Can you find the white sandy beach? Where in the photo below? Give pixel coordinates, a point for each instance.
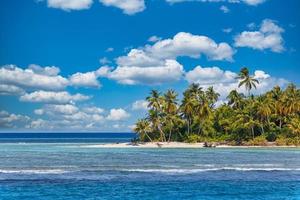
(170, 145)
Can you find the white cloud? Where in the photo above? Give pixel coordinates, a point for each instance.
(224, 81)
(117, 115)
(93, 110)
(11, 120)
(53, 97)
(267, 37)
(227, 30)
(67, 109)
(156, 64)
(39, 111)
(68, 116)
(210, 75)
(33, 77)
(129, 7)
(154, 38)
(182, 44)
(48, 71)
(104, 61)
(224, 9)
(169, 72)
(89, 79)
(248, 2)
(253, 2)
(109, 49)
(140, 105)
(40, 124)
(10, 90)
(68, 5)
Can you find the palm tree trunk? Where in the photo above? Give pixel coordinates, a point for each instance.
(170, 132)
(262, 129)
(188, 125)
(148, 137)
(252, 129)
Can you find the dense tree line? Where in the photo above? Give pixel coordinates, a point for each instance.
(245, 119)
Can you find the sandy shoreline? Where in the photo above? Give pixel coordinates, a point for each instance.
(171, 145)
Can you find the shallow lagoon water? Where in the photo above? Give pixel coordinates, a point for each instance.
(73, 171)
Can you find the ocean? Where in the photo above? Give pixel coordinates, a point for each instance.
(64, 166)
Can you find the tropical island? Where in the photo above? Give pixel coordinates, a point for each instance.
(270, 118)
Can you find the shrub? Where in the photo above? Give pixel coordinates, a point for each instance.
(258, 141)
(271, 137)
(193, 138)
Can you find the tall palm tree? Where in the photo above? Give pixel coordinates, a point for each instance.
(187, 108)
(157, 123)
(263, 111)
(143, 128)
(247, 80)
(203, 112)
(154, 100)
(170, 103)
(212, 96)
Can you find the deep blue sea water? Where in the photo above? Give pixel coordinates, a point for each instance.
(42, 166)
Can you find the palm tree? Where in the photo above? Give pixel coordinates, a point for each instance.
(170, 101)
(143, 128)
(263, 111)
(203, 112)
(211, 96)
(235, 99)
(188, 108)
(155, 100)
(157, 123)
(294, 126)
(247, 80)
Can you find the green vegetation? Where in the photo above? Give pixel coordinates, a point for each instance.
(251, 120)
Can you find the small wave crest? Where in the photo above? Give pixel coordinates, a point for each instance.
(188, 171)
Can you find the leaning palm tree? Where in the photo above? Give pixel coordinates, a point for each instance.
(157, 123)
(247, 80)
(143, 128)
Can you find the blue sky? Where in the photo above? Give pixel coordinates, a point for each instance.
(87, 65)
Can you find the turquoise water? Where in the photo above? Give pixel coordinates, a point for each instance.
(76, 171)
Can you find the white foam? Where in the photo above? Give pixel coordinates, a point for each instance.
(188, 171)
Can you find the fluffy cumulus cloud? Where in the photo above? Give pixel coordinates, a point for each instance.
(17, 81)
(117, 114)
(209, 75)
(225, 81)
(170, 71)
(67, 116)
(68, 5)
(34, 77)
(156, 63)
(269, 36)
(11, 120)
(89, 79)
(10, 90)
(140, 105)
(129, 7)
(182, 44)
(53, 97)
